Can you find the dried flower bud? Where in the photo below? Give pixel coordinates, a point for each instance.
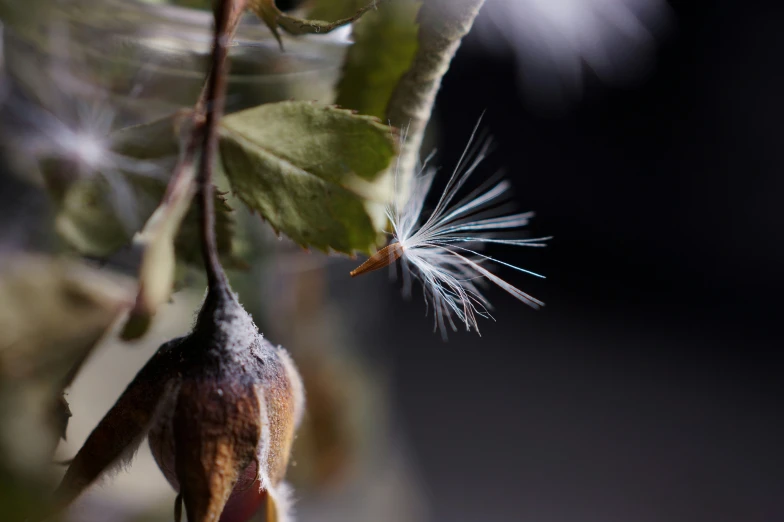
(225, 431)
(221, 406)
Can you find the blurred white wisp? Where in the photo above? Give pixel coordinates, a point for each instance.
(57, 120)
(439, 250)
(555, 41)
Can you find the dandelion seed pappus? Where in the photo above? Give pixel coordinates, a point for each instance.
(440, 249)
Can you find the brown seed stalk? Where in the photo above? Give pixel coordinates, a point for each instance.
(220, 405)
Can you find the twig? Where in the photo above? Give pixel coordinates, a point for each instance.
(206, 115)
(198, 114)
(235, 17)
(227, 15)
(442, 25)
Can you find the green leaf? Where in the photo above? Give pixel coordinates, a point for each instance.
(319, 174)
(385, 42)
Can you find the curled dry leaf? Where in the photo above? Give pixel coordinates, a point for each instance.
(385, 42)
(220, 405)
(274, 18)
(156, 274)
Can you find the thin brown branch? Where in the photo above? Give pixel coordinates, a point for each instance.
(227, 16)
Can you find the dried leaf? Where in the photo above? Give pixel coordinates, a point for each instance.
(316, 173)
(274, 17)
(385, 42)
(156, 275)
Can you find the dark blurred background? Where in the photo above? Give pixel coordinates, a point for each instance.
(649, 388)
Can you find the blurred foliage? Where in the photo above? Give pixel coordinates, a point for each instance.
(319, 174)
(52, 312)
(141, 161)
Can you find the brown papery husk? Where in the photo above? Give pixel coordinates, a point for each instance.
(224, 433)
(220, 406)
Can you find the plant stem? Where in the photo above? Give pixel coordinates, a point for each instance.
(442, 26)
(227, 15)
(203, 132)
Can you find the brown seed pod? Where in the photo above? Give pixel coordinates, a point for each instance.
(221, 406)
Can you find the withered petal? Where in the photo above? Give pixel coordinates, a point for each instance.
(121, 430)
(216, 433)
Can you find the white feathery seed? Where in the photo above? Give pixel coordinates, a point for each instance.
(441, 249)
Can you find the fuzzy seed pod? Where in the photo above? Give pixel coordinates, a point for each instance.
(221, 406)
